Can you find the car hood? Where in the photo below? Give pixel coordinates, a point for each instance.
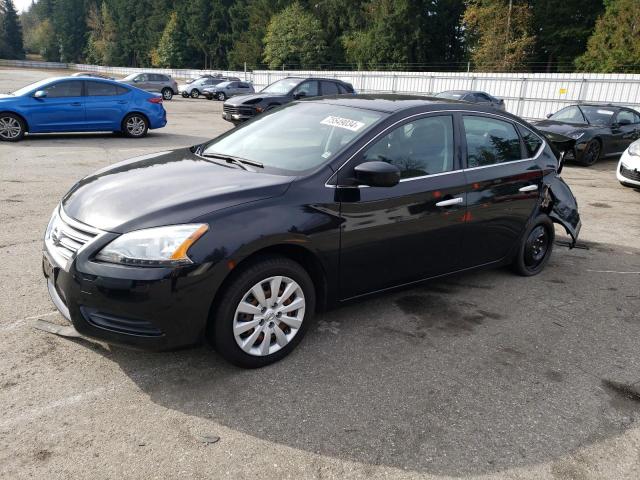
(164, 188)
(561, 128)
(240, 99)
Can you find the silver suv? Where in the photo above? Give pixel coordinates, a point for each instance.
(197, 87)
(153, 82)
(224, 90)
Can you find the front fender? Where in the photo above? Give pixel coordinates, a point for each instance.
(561, 205)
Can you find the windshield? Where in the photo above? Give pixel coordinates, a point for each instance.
(282, 86)
(31, 87)
(451, 95)
(569, 115)
(299, 137)
(598, 115)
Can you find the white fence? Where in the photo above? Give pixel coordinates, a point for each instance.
(529, 95)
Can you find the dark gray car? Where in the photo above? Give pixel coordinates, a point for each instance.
(153, 82)
(482, 98)
(225, 90)
(243, 107)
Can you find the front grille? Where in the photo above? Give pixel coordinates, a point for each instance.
(65, 237)
(630, 174)
(238, 110)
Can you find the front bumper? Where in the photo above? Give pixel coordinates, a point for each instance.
(147, 308)
(628, 171)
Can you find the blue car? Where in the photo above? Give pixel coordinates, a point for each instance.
(77, 104)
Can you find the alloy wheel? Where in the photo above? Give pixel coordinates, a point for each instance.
(167, 94)
(592, 153)
(135, 125)
(536, 247)
(269, 315)
(10, 128)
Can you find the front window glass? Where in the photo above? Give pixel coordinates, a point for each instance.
(490, 141)
(282, 86)
(299, 137)
(598, 115)
(569, 115)
(419, 148)
(65, 89)
(309, 89)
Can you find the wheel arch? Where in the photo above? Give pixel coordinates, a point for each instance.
(299, 254)
(137, 112)
(26, 123)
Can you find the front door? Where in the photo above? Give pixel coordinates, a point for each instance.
(397, 235)
(503, 186)
(625, 130)
(62, 109)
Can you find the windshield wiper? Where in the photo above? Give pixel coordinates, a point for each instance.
(241, 162)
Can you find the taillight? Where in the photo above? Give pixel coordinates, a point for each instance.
(155, 99)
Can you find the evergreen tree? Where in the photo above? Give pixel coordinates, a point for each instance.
(103, 39)
(11, 43)
(615, 43)
(294, 37)
(171, 48)
(69, 21)
(562, 30)
(499, 34)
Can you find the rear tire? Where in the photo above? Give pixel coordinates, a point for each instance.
(222, 97)
(185, 95)
(591, 154)
(12, 127)
(535, 248)
(240, 337)
(167, 94)
(195, 93)
(135, 125)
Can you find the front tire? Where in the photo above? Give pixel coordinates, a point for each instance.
(592, 153)
(135, 125)
(167, 94)
(535, 248)
(222, 97)
(195, 93)
(185, 95)
(263, 313)
(12, 127)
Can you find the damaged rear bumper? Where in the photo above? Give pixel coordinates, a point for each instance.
(561, 205)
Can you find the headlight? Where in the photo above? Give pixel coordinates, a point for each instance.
(154, 247)
(576, 135)
(634, 149)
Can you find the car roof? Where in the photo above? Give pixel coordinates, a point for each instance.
(391, 103)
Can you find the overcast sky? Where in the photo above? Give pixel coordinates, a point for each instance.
(22, 4)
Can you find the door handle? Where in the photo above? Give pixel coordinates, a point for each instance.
(528, 188)
(76, 104)
(450, 202)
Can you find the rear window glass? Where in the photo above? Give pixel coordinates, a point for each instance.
(532, 142)
(101, 89)
(490, 141)
(329, 88)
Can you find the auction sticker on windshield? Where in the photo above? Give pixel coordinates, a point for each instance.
(340, 122)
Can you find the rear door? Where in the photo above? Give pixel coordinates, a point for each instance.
(106, 105)
(503, 184)
(62, 109)
(397, 235)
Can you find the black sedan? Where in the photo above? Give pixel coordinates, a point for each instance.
(243, 107)
(590, 132)
(473, 96)
(243, 238)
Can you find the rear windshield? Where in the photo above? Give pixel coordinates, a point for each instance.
(296, 138)
(451, 95)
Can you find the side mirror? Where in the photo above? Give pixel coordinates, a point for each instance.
(136, 80)
(623, 121)
(299, 95)
(549, 115)
(40, 94)
(377, 174)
